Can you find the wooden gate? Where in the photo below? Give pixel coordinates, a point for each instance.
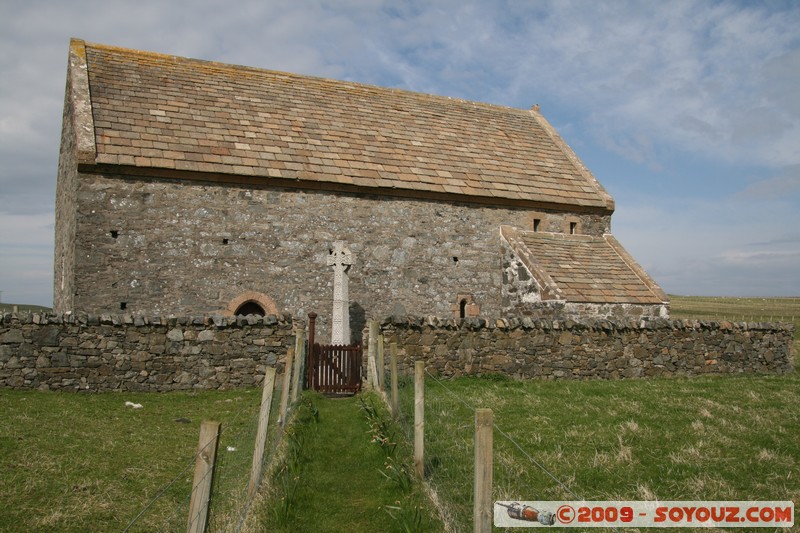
(332, 369)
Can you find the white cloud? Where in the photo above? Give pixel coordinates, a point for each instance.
(716, 79)
(784, 184)
(645, 81)
(756, 258)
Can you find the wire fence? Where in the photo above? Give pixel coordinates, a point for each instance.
(736, 309)
(448, 462)
(518, 466)
(168, 509)
(229, 452)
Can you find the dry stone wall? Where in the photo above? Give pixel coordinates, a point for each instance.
(591, 349)
(108, 353)
(105, 353)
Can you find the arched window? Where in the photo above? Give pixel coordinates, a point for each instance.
(251, 303)
(250, 308)
(462, 308)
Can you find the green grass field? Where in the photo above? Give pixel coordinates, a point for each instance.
(702, 438)
(85, 462)
(346, 469)
(737, 309)
(23, 308)
(720, 438)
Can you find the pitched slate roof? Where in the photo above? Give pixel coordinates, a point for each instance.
(583, 268)
(163, 112)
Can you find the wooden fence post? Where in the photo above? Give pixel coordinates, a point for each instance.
(482, 510)
(261, 436)
(287, 380)
(419, 418)
(372, 347)
(381, 364)
(203, 477)
(299, 356)
(395, 400)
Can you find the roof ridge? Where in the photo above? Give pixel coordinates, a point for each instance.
(239, 67)
(556, 235)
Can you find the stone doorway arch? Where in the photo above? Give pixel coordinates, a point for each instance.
(252, 303)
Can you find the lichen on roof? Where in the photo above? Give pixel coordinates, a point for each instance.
(155, 111)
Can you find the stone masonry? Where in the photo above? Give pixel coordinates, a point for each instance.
(109, 353)
(591, 348)
(106, 353)
(190, 188)
(185, 248)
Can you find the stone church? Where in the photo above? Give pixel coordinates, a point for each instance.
(189, 187)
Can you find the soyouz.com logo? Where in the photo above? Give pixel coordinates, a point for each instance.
(582, 514)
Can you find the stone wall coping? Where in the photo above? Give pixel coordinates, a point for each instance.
(83, 319)
(405, 322)
(591, 324)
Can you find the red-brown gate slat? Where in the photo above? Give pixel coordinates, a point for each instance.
(332, 369)
(335, 369)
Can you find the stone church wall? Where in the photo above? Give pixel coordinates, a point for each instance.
(591, 349)
(185, 248)
(66, 191)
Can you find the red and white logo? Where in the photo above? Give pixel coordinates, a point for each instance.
(585, 514)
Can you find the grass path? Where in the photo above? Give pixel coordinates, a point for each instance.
(341, 487)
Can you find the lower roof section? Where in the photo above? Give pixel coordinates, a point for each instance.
(583, 268)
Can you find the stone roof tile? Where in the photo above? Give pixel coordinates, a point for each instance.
(585, 268)
(249, 117)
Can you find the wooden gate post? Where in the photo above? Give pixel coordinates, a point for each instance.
(419, 418)
(482, 507)
(312, 317)
(203, 477)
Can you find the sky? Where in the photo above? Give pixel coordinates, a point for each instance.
(687, 112)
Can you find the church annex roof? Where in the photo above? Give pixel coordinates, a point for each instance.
(172, 115)
(583, 268)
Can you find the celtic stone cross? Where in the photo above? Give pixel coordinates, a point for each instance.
(340, 259)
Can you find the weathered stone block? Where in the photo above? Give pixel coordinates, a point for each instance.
(12, 336)
(206, 335)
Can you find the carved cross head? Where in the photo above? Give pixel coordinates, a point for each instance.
(340, 255)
